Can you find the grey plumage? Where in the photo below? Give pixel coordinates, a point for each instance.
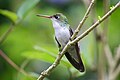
(63, 32)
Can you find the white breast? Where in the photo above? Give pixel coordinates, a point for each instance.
(62, 34)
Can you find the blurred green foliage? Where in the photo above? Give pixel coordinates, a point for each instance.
(12, 16)
(32, 38)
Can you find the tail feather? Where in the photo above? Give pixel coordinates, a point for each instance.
(78, 65)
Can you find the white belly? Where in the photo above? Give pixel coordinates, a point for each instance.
(62, 35)
(61, 32)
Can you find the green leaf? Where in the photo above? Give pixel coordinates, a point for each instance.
(99, 17)
(111, 7)
(63, 61)
(45, 50)
(45, 55)
(38, 55)
(26, 7)
(9, 14)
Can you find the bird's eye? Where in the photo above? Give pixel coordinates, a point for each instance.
(56, 17)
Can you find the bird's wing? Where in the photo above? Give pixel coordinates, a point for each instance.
(74, 57)
(59, 45)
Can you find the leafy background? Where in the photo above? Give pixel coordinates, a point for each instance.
(31, 42)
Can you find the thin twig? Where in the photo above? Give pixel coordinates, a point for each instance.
(112, 62)
(12, 63)
(57, 61)
(4, 36)
(117, 55)
(96, 23)
(108, 55)
(83, 20)
(23, 65)
(115, 73)
(60, 55)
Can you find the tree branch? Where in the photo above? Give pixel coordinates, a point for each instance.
(115, 73)
(12, 63)
(108, 55)
(3, 37)
(60, 55)
(83, 20)
(97, 23)
(117, 55)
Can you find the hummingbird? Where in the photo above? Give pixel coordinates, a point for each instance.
(63, 34)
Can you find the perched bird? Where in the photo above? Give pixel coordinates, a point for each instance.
(63, 32)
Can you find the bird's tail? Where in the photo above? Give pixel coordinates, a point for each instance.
(78, 65)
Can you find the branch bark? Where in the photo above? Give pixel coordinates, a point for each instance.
(117, 56)
(12, 63)
(114, 70)
(97, 23)
(83, 20)
(4, 36)
(108, 54)
(115, 73)
(60, 55)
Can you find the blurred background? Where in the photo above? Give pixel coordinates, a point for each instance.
(29, 40)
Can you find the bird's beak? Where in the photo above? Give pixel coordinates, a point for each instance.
(45, 16)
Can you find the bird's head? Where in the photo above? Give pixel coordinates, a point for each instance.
(57, 18)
